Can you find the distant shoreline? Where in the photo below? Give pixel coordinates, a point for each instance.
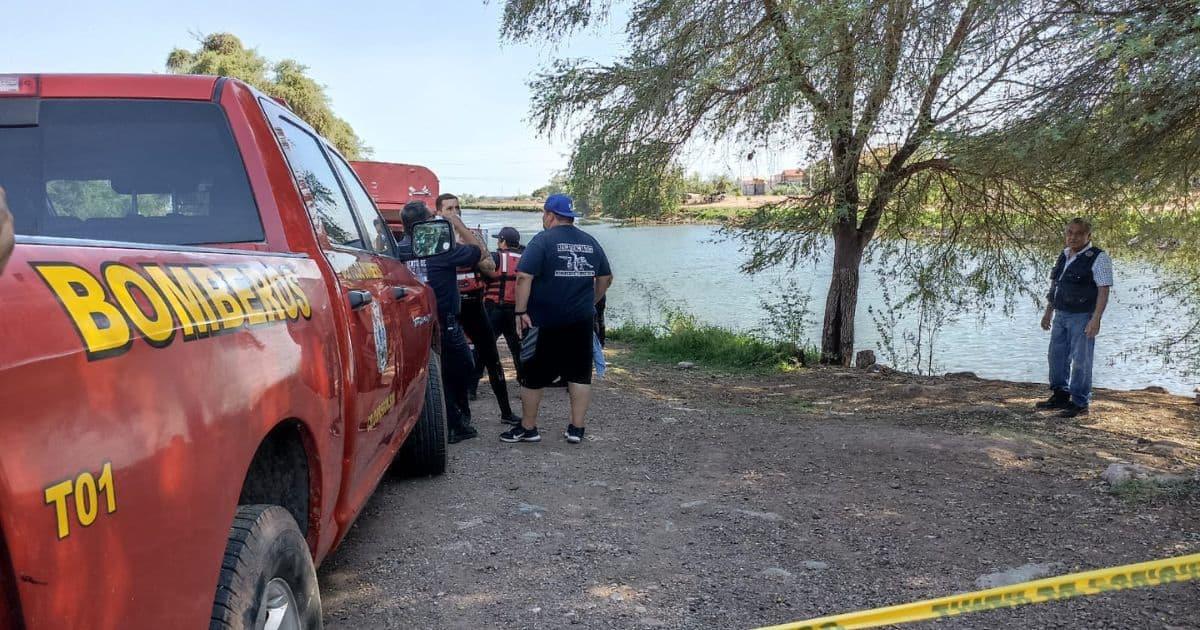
(689, 214)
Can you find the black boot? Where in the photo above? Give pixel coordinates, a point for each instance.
(458, 434)
(1073, 411)
(1058, 400)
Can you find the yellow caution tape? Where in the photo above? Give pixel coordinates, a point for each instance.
(1053, 589)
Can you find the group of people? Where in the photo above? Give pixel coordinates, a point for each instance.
(541, 299)
(547, 301)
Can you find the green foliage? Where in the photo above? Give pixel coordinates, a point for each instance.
(893, 94)
(981, 126)
(667, 332)
(624, 179)
(1143, 491)
(1132, 92)
(96, 199)
(636, 334)
(684, 339)
(792, 190)
(788, 316)
(710, 186)
(558, 185)
(909, 348)
(224, 54)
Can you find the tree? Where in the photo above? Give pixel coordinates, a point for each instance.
(909, 103)
(653, 188)
(224, 54)
(558, 184)
(711, 186)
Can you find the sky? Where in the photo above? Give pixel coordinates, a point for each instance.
(421, 82)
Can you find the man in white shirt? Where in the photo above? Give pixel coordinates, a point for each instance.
(1079, 287)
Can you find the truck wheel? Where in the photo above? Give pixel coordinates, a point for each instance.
(267, 577)
(424, 452)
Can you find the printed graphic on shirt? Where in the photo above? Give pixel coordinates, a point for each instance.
(418, 269)
(575, 265)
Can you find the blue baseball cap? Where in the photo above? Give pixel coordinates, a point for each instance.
(560, 204)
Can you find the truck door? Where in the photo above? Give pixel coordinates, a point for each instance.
(373, 390)
(403, 295)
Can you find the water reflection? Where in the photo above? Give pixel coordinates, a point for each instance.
(688, 265)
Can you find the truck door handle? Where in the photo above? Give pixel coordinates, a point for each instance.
(359, 299)
(399, 292)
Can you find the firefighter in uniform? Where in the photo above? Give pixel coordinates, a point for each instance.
(500, 297)
(475, 323)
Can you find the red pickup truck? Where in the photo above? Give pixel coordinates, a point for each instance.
(209, 357)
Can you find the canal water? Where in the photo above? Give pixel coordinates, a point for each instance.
(690, 267)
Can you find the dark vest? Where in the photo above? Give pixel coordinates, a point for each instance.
(1076, 292)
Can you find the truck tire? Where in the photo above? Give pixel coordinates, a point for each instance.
(267, 575)
(424, 452)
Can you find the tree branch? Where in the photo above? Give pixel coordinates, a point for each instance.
(800, 70)
(893, 44)
(923, 124)
(941, 164)
(745, 89)
(945, 63)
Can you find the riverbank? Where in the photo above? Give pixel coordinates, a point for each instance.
(728, 209)
(720, 499)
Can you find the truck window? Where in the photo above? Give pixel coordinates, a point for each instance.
(320, 188)
(378, 237)
(162, 172)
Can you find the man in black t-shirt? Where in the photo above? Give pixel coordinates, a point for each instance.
(562, 274)
(440, 273)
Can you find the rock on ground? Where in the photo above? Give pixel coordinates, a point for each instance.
(1120, 473)
(864, 359)
(1023, 573)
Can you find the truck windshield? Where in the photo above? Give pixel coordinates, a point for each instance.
(164, 172)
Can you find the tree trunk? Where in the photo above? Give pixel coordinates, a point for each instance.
(837, 337)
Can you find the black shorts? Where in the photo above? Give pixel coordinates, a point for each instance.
(563, 355)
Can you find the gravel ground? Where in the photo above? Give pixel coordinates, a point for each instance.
(705, 500)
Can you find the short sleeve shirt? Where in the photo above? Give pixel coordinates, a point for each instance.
(441, 273)
(564, 262)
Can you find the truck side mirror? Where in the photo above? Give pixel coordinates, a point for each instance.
(432, 237)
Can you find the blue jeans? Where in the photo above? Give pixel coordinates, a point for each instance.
(1071, 354)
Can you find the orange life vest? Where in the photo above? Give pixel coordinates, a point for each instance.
(503, 290)
(469, 280)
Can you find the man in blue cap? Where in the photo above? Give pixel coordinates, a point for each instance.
(562, 274)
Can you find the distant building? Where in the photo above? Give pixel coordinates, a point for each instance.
(793, 176)
(755, 186)
(789, 176)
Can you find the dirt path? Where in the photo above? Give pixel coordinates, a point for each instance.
(711, 501)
